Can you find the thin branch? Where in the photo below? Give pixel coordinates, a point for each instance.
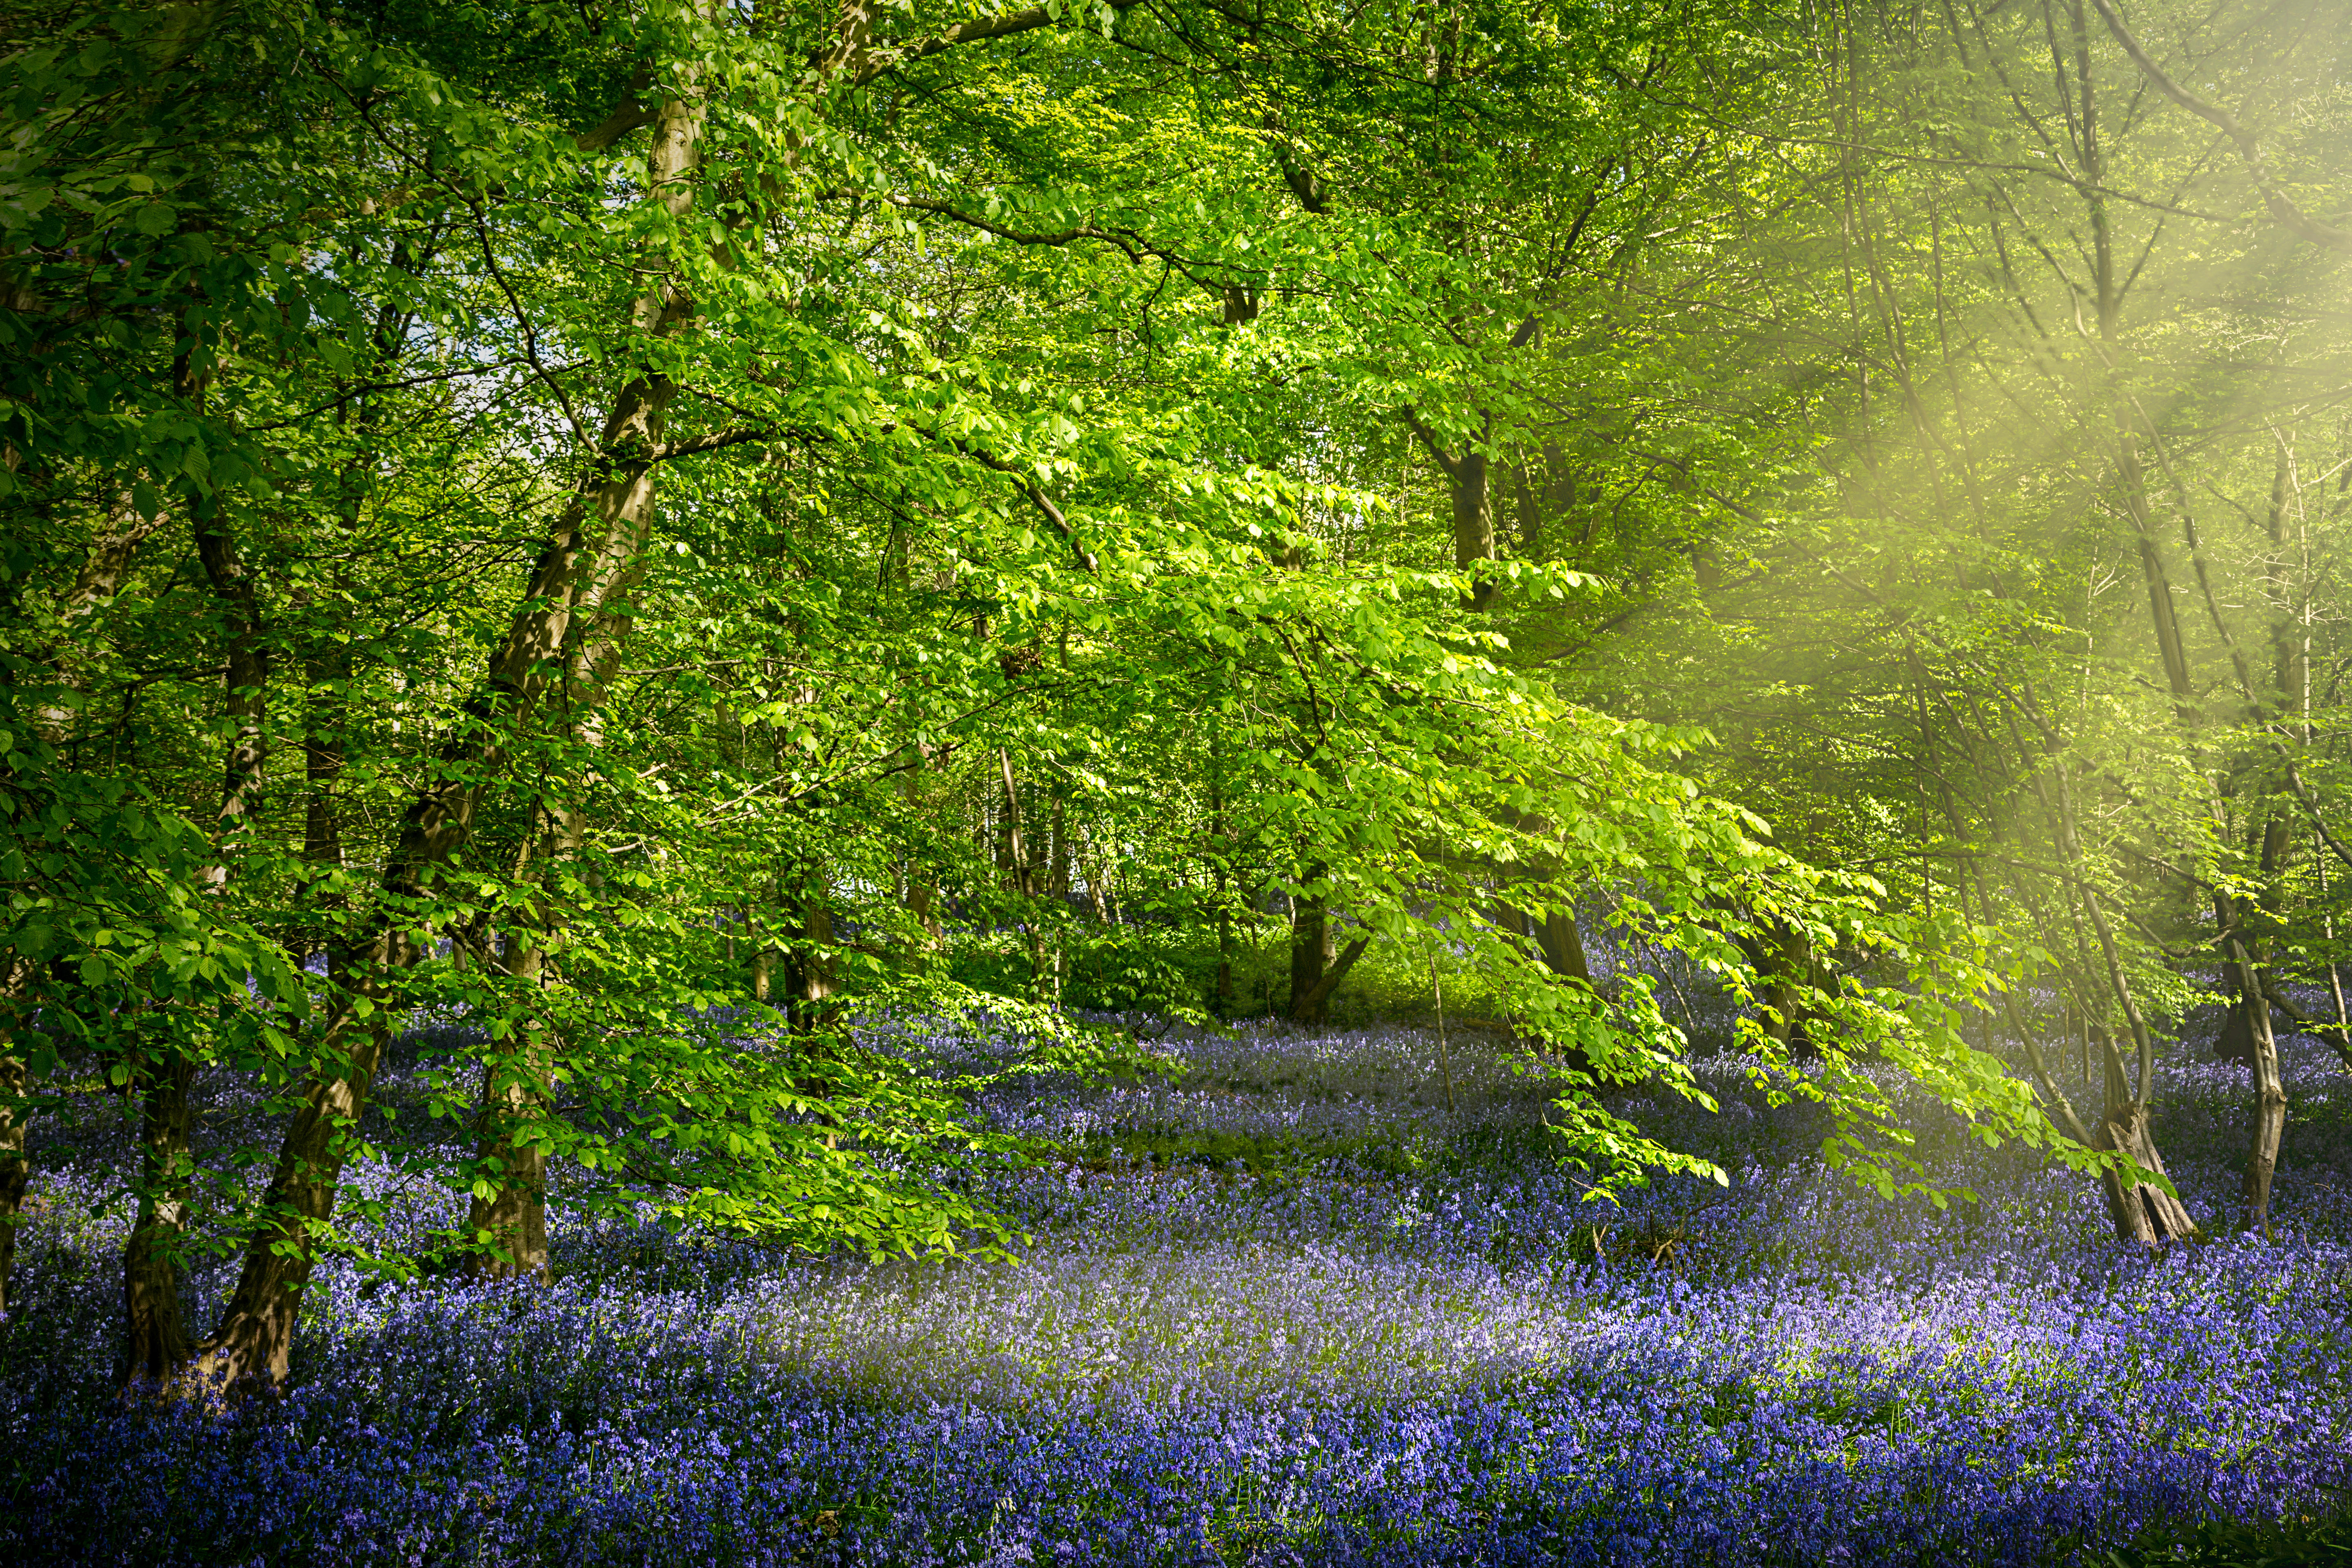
(2281, 208)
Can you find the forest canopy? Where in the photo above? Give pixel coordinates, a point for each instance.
(689, 535)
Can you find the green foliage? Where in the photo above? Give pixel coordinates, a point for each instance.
(674, 514)
(2293, 1543)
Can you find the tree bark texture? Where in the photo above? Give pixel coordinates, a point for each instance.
(1310, 950)
(256, 1334)
(1563, 946)
(2142, 1213)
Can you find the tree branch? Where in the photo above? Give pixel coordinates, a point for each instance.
(891, 57)
(1037, 498)
(1429, 439)
(2281, 208)
(710, 443)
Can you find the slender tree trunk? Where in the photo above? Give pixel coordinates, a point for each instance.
(1227, 1005)
(322, 764)
(1310, 950)
(589, 555)
(14, 1173)
(922, 888)
(2270, 1099)
(812, 957)
(155, 1333)
(507, 1216)
(508, 1211)
(2142, 1212)
(1021, 872)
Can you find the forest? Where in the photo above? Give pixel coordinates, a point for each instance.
(1176, 782)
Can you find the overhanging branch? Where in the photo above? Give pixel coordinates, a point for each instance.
(2281, 206)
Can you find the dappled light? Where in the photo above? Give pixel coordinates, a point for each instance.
(1146, 782)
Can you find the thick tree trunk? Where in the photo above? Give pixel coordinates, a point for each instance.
(1313, 1007)
(1474, 525)
(2145, 1213)
(1563, 946)
(155, 1333)
(1316, 971)
(2236, 1041)
(1785, 969)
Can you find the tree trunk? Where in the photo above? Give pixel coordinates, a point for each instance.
(590, 552)
(2146, 1214)
(809, 961)
(1474, 525)
(1563, 946)
(256, 1335)
(156, 1334)
(2236, 1041)
(1311, 949)
(1784, 964)
(507, 1216)
(1021, 871)
(508, 1211)
(2269, 1098)
(1226, 1005)
(1468, 487)
(1311, 1008)
(1316, 971)
(14, 1173)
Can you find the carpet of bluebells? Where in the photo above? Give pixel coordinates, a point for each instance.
(1286, 1307)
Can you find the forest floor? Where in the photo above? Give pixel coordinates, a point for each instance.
(1284, 1308)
